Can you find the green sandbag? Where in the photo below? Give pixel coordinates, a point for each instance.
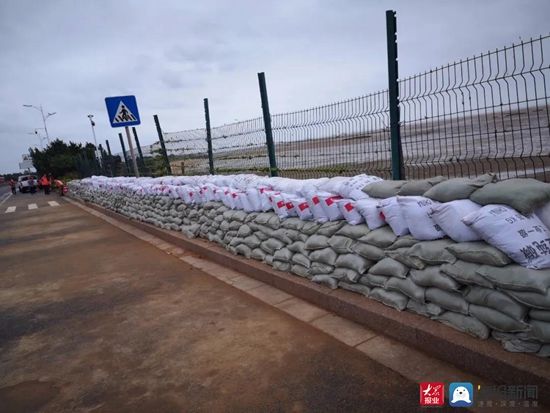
(300, 271)
(425, 309)
(328, 229)
(449, 301)
(316, 242)
(301, 259)
(517, 278)
(381, 237)
(390, 298)
(531, 299)
(418, 187)
(404, 241)
(496, 300)
(408, 287)
(243, 250)
(464, 323)
(326, 256)
(271, 245)
(479, 252)
(383, 189)
(356, 288)
(458, 188)
(320, 268)
(401, 255)
(523, 194)
(539, 315)
(540, 330)
(258, 254)
(298, 246)
(293, 223)
(346, 274)
(340, 243)
(367, 251)
(433, 252)
(326, 280)
(373, 280)
(281, 266)
(353, 262)
(433, 277)
(497, 320)
(465, 273)
(283, 254)
(389, 268)
(353, 231)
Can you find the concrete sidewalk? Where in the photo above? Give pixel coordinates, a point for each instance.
(94, 319)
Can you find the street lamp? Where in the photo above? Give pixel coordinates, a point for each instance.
(39, 108)
(97, 153)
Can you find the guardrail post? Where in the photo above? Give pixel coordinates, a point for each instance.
(393, 86)
(273, 171)
(162, 146)
(209, 137)
(124, 153)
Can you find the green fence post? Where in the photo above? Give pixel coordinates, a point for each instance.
(209, 137)
(273, 171)
(393, 86)
(124, 153)
(162, 146)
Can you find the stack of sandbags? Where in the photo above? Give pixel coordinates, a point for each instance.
(420, 246)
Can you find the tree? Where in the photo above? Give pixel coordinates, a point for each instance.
(62, 159)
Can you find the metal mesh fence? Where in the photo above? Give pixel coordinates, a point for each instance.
(240, 147)
(344, 138)
(486, 113)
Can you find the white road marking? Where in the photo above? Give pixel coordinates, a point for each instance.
(33, 206)
(10, 210)
(53, 203)
(8, 195)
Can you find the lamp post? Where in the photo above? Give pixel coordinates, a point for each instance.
(44, 117)
(97, 153)
(40, 138)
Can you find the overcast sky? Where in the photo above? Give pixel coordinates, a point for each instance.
(69, 55)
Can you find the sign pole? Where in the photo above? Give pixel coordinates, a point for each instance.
(132, 153)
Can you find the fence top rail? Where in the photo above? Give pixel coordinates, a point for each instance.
(481, 56)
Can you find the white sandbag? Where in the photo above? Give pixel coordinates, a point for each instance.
(314, 202)
(391, 211)
(449, 217)
(301, 207)
(525, 239)
(353, 188)
(278, 204)
(350, 212)
(368, 208)
(417, 213)
(334, 185)
(330, 206)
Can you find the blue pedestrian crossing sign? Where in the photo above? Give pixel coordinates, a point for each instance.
(122, 110)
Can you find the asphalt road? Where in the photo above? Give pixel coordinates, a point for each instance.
(94, 319)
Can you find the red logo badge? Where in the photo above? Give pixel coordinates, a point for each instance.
(432, 394)
(303, 206)
(349, 207)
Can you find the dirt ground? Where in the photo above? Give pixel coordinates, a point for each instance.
(95, 320)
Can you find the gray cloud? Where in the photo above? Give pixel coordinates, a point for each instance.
(171, 54)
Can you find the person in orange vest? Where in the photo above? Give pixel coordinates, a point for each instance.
(45, 182)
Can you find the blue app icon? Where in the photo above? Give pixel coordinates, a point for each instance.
(461, 394)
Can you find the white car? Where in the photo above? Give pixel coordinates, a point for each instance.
(23, 182)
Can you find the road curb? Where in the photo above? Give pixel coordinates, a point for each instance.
(485, 358)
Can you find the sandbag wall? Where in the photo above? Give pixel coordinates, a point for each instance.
(469, 285)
